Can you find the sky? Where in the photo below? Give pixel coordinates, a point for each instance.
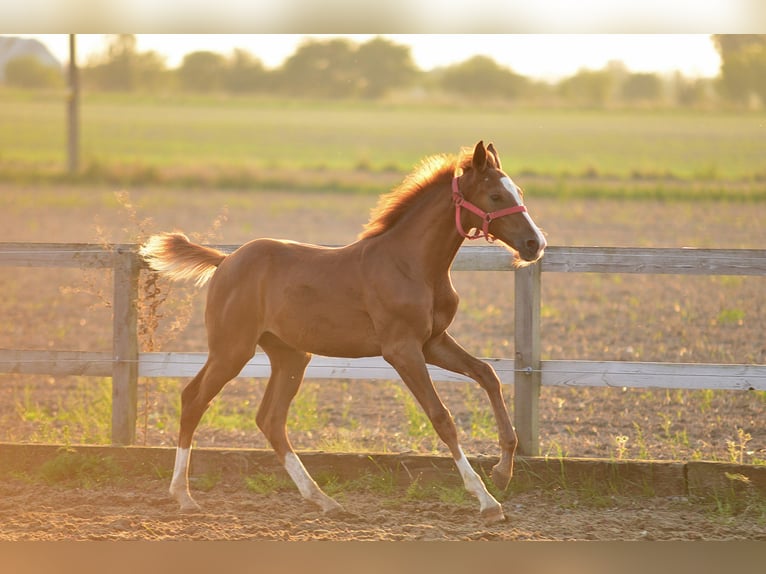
(542, 56)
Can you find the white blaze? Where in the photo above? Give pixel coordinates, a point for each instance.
(514, 191)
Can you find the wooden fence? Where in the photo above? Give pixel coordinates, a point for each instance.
(526, 371)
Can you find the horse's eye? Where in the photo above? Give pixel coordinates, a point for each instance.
(496, 197)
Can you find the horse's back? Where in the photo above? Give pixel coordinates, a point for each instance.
(311, 297)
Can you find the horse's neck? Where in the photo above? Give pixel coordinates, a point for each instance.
(427, 233)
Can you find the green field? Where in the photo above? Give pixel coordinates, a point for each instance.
(257, 142)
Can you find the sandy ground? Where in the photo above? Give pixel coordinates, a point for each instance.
(141, 510)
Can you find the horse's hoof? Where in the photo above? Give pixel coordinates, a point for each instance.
(501, 477)
(189, 507)
(186, 504)
(493, 515)
(332, 508)
(341, 514)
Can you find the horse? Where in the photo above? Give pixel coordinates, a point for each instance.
(388, 294)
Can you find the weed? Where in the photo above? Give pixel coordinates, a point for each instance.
(706, 399)
(498, 493)
(82, 470)
(218, 416)
(738, 498)
(342, 440)
(594, 495)
(207, 481)
(86, 411)
(451, 494)
(163, 310)
(418, 426)
(304, 414)
(381, 482)
(555, 450)
(348, 421)
(32, 412)
(621, 441)
(736, 449)
(643, 450)
(482, 419)
(416, 491)
(730, 317)
(263, 483)
(667, 422)
(549, 312)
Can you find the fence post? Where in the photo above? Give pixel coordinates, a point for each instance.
(527, 286)
(125, 346)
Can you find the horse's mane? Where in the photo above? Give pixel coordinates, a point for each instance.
(391, 206)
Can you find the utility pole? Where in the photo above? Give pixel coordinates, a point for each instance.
(73, 109)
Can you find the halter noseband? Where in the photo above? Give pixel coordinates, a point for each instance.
(462, 202)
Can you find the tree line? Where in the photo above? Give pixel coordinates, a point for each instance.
(341, 69)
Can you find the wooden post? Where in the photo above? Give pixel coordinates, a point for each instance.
(73, 110)
(125, 347)
(527, 374)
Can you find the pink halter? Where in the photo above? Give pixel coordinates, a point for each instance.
(461, 201)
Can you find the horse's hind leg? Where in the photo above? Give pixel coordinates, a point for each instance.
(409, 362)
(445, 352)
(195, 398)
(287, 368)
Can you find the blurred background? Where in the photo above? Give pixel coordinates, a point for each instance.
(358, 111)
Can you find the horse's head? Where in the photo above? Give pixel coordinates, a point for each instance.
(488, 201)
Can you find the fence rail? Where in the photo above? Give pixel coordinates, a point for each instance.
(526, 371)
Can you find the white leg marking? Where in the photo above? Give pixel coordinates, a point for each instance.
(179, 484)
(489, 506)
(306, 485)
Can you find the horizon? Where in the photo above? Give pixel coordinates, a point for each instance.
(547, 57)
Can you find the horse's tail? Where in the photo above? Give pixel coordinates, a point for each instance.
(173, 255)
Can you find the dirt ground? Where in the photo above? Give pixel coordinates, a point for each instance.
(649, 318)
(137, 507)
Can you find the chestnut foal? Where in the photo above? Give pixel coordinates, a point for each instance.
(387, 294)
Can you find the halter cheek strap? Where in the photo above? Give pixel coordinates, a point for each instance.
(462, 203)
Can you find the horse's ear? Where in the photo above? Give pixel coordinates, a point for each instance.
(479, 161)
(491, 149)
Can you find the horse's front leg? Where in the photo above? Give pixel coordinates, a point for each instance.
(409, 362)
(443, 351)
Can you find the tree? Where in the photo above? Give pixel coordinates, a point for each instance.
(383, 66)
(202, 71)
(743, 66)
(588, 87)
(244, 73)
(30, 72)
(123, 68)
(482, 76)
(641, 87)
(321, 68)
(691, 92)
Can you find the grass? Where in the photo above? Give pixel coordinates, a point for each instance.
(304, 414)
(84, 414)
(382, 482)
(419, 428)
(482, 420)
(266, 483)
(252, 142)
(737, 448)
(737, 498)
(73, 469)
